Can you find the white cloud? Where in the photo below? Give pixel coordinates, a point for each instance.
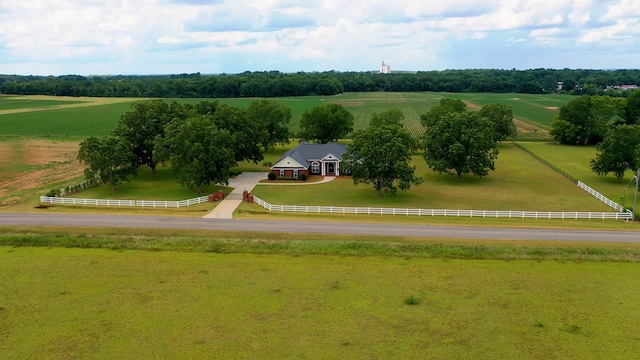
(225, 36)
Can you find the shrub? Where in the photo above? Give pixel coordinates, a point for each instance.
(411, 300)
(267, 163)
(303, 177)
(53, 193)
(271, 176)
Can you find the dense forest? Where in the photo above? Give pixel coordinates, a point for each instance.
(275, 84)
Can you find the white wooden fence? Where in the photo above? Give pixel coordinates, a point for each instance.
(601, 197)
(124, 203)
(444, 212)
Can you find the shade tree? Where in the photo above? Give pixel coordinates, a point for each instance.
(381, 155)
(110, 160)
(271, 119)
(445, 106)
(141, 126)
(618, 152)
(461, 143)
(326, 123)
(200, 153)
(502, 118)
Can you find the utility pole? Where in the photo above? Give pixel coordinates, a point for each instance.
(635, 194)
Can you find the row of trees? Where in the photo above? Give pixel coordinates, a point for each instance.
(202, 141)
(456, 141)
(613, 124)
(588, 119)
(275, 84)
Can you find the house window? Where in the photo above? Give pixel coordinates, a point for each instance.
(315, 168)
(295, 174)
(281, 173)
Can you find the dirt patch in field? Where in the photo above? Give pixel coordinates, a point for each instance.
(348, 103)
(552, 108)
(525, 128)
(36, 164)
(472, 106)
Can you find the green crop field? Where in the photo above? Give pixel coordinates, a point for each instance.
(104, 304)
(538, 110)
(99, 119)
(51, 116)
(12, 103)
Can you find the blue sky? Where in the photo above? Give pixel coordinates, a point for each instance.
(97, 37)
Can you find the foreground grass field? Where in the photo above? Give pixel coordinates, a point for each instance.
(82, 303)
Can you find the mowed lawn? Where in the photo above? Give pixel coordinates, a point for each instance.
(519, 183)
(104, 304)
(576, 161)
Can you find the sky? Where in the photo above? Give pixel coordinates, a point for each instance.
(109, 37)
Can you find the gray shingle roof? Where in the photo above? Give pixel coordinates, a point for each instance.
(305, 152)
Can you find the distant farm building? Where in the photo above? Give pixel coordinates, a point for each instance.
(385, 69)
(625, 87)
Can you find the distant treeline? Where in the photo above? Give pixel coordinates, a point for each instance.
(276, 84)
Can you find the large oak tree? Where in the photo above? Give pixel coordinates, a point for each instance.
(381, 155)
(461, 143)
(200, 152)
(109, 159)
(617, 153)
(326, 123)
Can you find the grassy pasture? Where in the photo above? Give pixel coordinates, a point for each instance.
(81, 117)
(85, 303)
(147, 186)
(576, 161)
(519, 183)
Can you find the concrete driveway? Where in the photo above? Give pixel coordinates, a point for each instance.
(247, 181)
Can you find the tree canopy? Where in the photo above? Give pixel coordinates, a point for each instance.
(326, 123)
(617, 153)
(109, 159)
(502, 118)
(444, 107)
(200, 152)
(381, 155)
(461, 143)
(141, 126)
(393, 116)
(272, 120)
(276, 84)
(586, 119)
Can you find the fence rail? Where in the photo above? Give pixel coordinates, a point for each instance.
(601, 197)
(445, 212)
(545, 162)
(123, 203)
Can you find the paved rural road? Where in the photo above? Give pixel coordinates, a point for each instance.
(315, 227)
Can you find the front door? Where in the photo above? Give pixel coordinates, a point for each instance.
(331, 168)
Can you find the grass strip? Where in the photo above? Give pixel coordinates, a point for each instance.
(299, 244)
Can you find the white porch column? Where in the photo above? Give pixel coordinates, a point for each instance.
(338, 168)
(323, 167)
